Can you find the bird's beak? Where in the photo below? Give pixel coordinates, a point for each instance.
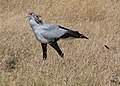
(29, 14)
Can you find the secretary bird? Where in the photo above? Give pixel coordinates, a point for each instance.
(50, 34)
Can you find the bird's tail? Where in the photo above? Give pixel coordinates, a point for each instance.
(71, 33)
(76, 34)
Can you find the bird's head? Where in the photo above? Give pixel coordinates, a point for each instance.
(32, 14)
(34, 18)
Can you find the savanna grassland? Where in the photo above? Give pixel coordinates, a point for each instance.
(89, 62)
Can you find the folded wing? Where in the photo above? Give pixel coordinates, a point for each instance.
(57, 32)
(53, 32)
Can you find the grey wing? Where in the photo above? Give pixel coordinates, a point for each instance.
(53, 33)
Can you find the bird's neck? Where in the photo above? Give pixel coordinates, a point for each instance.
(34, 22)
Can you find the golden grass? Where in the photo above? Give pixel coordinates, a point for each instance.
(89, 63)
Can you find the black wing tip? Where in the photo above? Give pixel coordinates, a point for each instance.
(75, 34)
(86, 38)
(82, 36)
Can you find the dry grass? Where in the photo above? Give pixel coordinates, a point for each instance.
(89, 63)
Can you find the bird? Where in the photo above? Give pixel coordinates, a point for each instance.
(49, 34)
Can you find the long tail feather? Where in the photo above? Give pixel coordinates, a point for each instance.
(71, 33)
(74, 34)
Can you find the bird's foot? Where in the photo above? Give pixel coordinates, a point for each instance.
(43, 63)
(64, 62)
(41, 66)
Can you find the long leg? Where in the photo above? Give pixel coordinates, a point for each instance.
(44, 49)
(56, 47)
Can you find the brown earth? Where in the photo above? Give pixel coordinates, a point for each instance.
(89, 62)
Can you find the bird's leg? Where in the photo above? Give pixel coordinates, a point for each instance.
(44, 49)
(56, 47)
